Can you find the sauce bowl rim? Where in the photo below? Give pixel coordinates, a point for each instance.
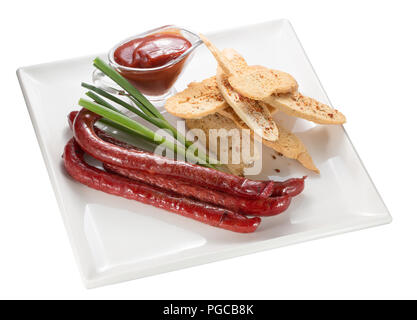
(194, 45)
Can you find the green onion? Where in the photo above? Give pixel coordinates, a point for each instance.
(111, 98)
(156, 121)
(125, 84)
(136, 127)
(159, 122)
(124, 130)
(101, 101)
(150, 113)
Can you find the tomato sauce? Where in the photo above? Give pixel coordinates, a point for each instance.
(152, 51)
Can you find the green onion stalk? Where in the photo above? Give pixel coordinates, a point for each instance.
(137, 98)
(147, 110)
(133, 126)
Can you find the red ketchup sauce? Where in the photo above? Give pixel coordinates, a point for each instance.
(152, 51)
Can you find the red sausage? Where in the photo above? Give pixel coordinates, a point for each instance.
(102, 134)
(71, 117)
(120, 186)
(254, 207)
(291, 187)
(142, 160)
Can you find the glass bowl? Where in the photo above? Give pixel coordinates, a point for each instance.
(157, 83)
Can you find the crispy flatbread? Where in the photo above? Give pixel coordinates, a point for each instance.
(256, 116)
(294, 103)
(288, 144)
(252, 82)
(217, 121)
(298, 105)
(197, 100)
(256, 82)
(228, 66)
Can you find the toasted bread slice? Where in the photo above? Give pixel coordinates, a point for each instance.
(298, 105)
(196, 101)
(254, 82)
(256, 116)
(257, 82)
(235, 60)
(288, 144)
(228, 66)
(293, 103)
(216, 121)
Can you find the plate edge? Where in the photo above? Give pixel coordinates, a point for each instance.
(343, 127)
(20, 76)
(267, 245)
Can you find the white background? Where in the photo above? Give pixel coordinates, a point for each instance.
(365, 55)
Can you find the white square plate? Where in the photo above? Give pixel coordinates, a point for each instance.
(115, 239)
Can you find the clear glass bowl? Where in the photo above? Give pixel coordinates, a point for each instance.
(155, 83)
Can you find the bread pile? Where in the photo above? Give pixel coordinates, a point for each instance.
(245, 97)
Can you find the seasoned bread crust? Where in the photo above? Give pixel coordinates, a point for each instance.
(289, 100)
(197, 100)
(228, 66)
(257, 82)
(217, 121)
(256, 116)
(253, 82)
(288, 144)
(298, 105)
